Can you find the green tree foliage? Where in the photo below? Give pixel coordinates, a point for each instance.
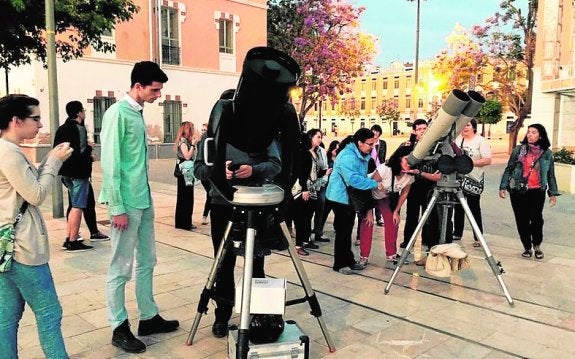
(323, 37)
(513, 52)
(489, 114)
(79, 24)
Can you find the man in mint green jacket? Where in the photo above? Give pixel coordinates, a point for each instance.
(126, 192)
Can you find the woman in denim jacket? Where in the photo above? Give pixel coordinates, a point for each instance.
(531, 164)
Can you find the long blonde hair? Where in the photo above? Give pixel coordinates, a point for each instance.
(186, 131)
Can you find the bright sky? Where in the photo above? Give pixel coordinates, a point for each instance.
(394, 22)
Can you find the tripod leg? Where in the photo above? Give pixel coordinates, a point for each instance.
(406, 252)
(495, 266)
(208, 291)
(242, 346)
(310, 294)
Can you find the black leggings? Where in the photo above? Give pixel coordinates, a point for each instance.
(528, 211)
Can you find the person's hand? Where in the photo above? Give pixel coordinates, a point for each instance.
(376, 176)
(396, 218)
(503, 193)
(305, 195)
(328, 171)
(552, 200)
(62, 151)
(245, 171)
(120, 222)
(369, 220)
(229, 174)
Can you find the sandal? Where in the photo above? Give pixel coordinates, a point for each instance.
(476, 244)
(527, 253)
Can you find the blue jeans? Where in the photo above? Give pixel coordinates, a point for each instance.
(136, 242)
(33, 285)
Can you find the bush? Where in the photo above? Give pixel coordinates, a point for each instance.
(564, 156)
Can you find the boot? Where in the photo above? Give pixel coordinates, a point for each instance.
(123, 338)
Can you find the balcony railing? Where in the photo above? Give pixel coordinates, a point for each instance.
(170, 55)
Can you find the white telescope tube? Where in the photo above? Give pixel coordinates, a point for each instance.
(440, 126)
(469, 111)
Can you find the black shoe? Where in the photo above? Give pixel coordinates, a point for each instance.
(320, 239)
(380, 223)
(527, 253)
(157, 325)
(99, 237)
(403, 244)
(219, 329)
(125, 340)
(77, 246)
(311, 245)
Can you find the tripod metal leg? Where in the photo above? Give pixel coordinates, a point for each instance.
(310, 294)
(207, 293)
(242, 345)
(412, 240)
(495, 266)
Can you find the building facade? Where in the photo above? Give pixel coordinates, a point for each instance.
(554, 72)
(200, 44)
(395, 86)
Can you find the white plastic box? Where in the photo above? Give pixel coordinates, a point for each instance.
(292, 344)
(268, 296)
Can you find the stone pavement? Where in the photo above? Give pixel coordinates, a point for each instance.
(465, 316)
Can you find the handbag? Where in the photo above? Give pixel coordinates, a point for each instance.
(471, 186)
(518, 183)
(177, 171)
(187, 170)
(7, 237)
(360, 199)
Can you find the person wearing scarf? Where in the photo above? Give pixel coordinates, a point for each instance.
(533, 161)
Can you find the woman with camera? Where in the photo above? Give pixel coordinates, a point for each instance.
(23, 188)
(529, 173)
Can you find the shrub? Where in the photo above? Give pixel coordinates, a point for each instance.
(564, 156)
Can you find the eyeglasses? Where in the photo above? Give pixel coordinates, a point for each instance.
(370, 144)
(35, 118)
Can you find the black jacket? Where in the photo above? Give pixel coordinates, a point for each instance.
(78, 165)
(382, 151)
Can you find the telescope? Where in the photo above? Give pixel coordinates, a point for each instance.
(454, 114)
(258, 113)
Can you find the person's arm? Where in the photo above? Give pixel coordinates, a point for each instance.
(508, 171)
(188, 151)
(553, 189)
(402, 197)
(485, 154)
(111, 159)
(270, 168)
(21, 177)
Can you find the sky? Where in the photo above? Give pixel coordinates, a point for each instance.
(394, 22)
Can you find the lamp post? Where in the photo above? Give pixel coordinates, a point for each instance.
(416, 40)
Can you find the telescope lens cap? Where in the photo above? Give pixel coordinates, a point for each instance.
(446, 164)
(463, 164)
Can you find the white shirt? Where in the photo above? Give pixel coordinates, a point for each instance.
(398, 185)
(476, 148)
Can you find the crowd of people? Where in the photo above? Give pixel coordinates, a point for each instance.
(320, 184)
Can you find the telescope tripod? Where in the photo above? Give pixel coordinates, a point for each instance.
(443, 195)
(242, 345)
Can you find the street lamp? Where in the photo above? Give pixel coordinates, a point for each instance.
(416, 40)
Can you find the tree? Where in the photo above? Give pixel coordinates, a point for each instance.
(459, 65)
(388, 112)
(490, 113)
(79, 24)
(512, 52)
(323, 37)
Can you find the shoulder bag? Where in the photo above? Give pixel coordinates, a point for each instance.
(469, 185)
(7, 237)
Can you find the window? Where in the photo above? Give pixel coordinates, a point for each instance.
(385, 84)
(362, 104)
(226, 36)
(407, 103)
(373, 85)
(172, 119)
(101, 104)
(170, 36)
(396, 84)
(420, 103)
(408, 82)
